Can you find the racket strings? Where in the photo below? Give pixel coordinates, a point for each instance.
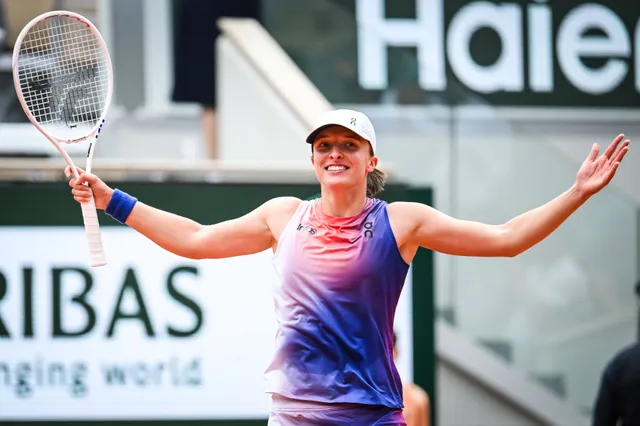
(63, 74)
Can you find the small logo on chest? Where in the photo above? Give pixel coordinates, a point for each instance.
(306, 228)
(368, 230)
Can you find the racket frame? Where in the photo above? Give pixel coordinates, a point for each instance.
(89, 211)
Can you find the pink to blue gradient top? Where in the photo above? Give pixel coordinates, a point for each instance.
(339, 284)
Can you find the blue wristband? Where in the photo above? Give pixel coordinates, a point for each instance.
(120, 205)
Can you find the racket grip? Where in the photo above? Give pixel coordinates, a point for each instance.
(92, 230)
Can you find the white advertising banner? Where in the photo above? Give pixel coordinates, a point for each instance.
(150, 335)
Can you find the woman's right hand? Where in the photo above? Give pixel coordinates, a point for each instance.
(82, 193)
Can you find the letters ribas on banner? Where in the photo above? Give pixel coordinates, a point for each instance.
(149, 336)
(569, 52)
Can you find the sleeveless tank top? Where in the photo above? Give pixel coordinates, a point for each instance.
(339, 284)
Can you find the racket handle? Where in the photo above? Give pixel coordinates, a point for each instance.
(92, 230)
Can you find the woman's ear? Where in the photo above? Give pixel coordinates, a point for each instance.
(373, 163)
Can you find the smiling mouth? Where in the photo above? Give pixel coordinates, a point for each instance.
(336, 168)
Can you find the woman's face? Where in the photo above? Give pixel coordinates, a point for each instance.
(341, 158)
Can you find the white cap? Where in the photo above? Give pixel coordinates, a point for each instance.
(355, 121)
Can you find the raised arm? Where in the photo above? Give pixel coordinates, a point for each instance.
(440, 232)
(247, 234)
(251, 233)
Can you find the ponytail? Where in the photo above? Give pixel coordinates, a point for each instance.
(375, 182)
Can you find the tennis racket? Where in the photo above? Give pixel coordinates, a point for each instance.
(63, 78)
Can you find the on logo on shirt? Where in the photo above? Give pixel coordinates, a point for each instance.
(368, 229)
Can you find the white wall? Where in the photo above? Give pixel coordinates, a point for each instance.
(255, 122)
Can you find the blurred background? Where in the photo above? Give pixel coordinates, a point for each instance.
(482, 109)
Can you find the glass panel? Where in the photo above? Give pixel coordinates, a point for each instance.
(566, 305)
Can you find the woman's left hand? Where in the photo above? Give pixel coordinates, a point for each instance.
(596, 172)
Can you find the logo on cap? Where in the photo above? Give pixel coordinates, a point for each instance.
(353, 121)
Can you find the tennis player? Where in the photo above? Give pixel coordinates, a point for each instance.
(342, 261)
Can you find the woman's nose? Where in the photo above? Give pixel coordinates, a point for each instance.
(336, 152)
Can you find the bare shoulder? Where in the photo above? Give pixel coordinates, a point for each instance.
(407, 216)
(281, 206)
(413, 214)
(417, 395)
(422, 396)
(407, 208)
(277, 212)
